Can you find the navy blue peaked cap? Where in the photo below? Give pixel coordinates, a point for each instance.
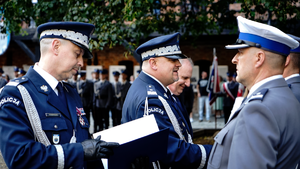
(296, 50)
(103, 71)
(78, 33)
(166, 46)
(82, 72)
(116, 73)
(229, 74)
(16, 69)
(96, 71)
(21, 71)
(125, 72)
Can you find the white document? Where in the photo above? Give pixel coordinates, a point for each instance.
(129, 131)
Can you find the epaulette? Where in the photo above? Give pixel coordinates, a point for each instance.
(16, 82)
(151, 92)
(259, 95)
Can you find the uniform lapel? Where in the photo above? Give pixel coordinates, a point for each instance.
(55, 102)
(43, 87)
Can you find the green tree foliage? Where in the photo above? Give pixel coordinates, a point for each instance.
(127, 21)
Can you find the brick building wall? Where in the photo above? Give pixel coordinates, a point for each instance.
(201, 52)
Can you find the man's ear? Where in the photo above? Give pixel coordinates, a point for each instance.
(260, 58)
(153, 63)
(287, 61)
(55, 45)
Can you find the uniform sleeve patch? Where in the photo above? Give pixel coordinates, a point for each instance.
(9, 100)
(155, 110)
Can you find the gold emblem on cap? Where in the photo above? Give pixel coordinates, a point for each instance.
(45, 88)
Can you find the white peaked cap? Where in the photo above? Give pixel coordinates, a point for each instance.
(255, 34)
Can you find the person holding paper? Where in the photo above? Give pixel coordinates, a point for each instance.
(42, 120)
(149, 95)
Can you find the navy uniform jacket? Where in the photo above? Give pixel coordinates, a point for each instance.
(179, 153)
(117, 95)
(124, 89)
(294, 84)
(262, 133)
(104, 99)
(87, 92)
(17, 142)
(2, 82)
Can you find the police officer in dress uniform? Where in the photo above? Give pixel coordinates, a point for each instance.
(230, 89)
(3, 82)
(95, 78)
(16, 70)
(291, 71)
(85, 91)
(263, 131)
(58, 135)
(104, 94)
(124, 88)
(116, 109)
(292, 68)
(149, 91)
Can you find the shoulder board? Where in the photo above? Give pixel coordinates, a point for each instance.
(259, 95)
(16, 82)
(151, 92)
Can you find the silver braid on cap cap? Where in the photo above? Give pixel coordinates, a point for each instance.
(71, 35)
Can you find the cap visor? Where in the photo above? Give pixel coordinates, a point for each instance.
(179, 56)
(238, 46)
(87, 53)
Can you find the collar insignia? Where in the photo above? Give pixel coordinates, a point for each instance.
(45, 88)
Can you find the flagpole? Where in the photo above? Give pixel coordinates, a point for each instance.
(215, 54)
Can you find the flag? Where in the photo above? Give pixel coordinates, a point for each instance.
(213, 83)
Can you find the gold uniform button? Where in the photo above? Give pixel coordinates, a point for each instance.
(55, 126)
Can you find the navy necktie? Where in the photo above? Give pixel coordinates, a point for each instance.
(61, 93)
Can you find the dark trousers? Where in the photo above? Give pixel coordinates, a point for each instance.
(104, 115)
(227, 111)
(87, 112)
(96, 117)
(116, 116)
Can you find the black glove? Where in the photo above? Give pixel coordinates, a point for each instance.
(140, 163)
(96, 148)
